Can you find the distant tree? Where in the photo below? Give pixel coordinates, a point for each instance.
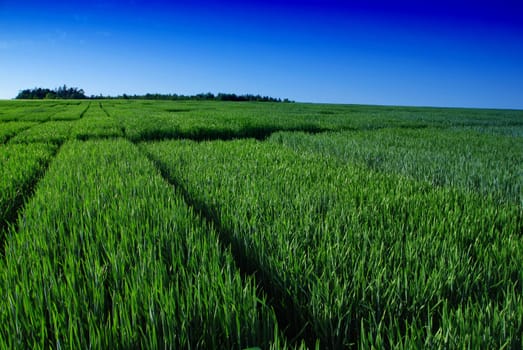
(36, 93)
(62, 92)
(24, 94)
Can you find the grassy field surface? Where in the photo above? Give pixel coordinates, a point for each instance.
(360, 255)
(22, 165)
(188, 224)
(121, 262)
(489, 164)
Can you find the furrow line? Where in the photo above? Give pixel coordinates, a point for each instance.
(284, 307)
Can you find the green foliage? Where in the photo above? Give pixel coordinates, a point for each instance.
(120, 262)
(95, 123)
(491, 165)
(509, 130)
(20, 167)
(205, 120)
(362, 257)
(148, 120)
(52, 132)
(28, 111)
(71, 111)
(63, 92)
(353, 226)
(10, 129)
(198, 97)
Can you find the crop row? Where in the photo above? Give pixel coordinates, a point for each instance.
(155, 120)
(10, 129)
(27, 111)
(71, 111)
(20, 166)
(41, 111)
(511, 130)
(78, 122)
(52, 132)
(491, 165)
(204, 121)
(148, 120)
(358, 257)
(107, 255)
(32, 111)
(95, 123)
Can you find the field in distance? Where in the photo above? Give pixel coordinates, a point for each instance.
(205, 224)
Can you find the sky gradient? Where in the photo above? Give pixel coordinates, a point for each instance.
(432, 53)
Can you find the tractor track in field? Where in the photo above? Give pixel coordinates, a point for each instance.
(247, 132)
(8, 138)
(208, 135)
(284, 307)
(19, 201)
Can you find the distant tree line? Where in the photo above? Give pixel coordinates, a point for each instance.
(65, 92)
(199, 97)
(62, 92)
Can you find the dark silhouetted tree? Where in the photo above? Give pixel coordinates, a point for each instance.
(62, 92)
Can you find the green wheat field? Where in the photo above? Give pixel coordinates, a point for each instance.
(131, 224)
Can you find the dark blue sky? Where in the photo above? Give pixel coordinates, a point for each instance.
(437, 53)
